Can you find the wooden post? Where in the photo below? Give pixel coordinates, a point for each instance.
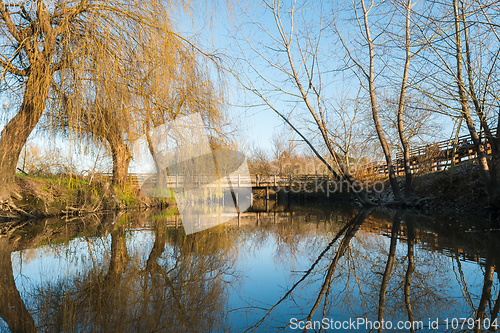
(274, 180)
(288, 198)
(267, 205)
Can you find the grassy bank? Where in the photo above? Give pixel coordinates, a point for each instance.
(460, 192)
(53, 196)
(457, 193)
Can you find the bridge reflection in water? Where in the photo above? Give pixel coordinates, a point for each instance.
(141, 272)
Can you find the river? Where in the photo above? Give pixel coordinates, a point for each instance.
(322, 268)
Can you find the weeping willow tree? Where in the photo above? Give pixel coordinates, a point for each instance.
(96, 106)
(100, 70)
(45, 52)
(152, 77)
(175, 81)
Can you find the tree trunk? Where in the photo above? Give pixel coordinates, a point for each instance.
(121, 161)
(12, 308)
(376, 119)
(489, 177)
(14, 135)
(119, 151)
(402, 136)
(161, 169)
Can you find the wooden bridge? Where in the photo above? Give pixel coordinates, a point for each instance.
(431, 157)
(233, 181)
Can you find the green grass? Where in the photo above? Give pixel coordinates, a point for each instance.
(51, 194)
(126, 195)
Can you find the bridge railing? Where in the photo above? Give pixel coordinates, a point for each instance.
(431, 157)
(232, 181)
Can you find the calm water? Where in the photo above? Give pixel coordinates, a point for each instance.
(285, 270)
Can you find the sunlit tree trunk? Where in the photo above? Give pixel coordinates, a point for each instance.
(489, 177)
(121, 160)
(15, 134)
(114, 129)
(161, 170)
(374, 106)
(401, 106)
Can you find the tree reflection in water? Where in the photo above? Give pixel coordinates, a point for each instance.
(128, 273)
(179, 287)
(12, 308)
(375, 278)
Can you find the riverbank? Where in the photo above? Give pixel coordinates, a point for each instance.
(443, 193)
(36, 197)
(460, 193)
(436, 193)
(440, 193)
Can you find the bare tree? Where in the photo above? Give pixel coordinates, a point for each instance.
(379, 31)
(461, 77)
(285, 148)
(297, 75)
(347, 128)
(367, 78)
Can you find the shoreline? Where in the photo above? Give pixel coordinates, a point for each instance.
(41, 197)
(436, 193)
